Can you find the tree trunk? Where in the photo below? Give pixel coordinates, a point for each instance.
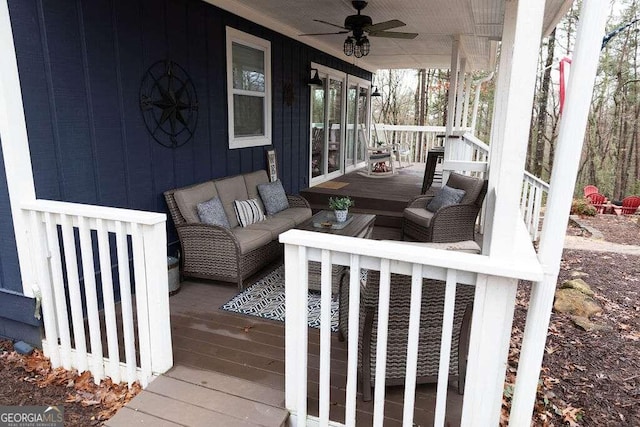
(542, 106)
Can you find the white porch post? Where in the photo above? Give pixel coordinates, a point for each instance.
(565, 169)
(453, 84)
(15, 146)
(451, 102)
(491, 331)
(459, 94)
(476, 101)
(467, 98)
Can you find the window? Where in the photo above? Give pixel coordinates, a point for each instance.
(248, 89)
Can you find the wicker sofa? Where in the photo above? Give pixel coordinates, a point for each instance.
(454, 223)
(235, 253)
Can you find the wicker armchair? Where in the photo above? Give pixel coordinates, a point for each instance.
(215, 253)
(453, 223)
(430, 336)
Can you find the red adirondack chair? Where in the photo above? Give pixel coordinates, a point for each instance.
(590, 189)
(630, 205)
(598, 201)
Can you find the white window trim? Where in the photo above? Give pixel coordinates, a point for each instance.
(254, 42)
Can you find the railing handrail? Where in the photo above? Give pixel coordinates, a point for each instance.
(524, 267)
(544, 185)
(476, 141)
(414, 128)
(93, 211)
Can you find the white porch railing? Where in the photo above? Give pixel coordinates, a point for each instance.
(418, 139)
(533, 191)
(402, 258)
(74, 249)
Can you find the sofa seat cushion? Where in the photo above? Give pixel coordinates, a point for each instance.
(419, 216)
(298, 215)
(188, 198)
(250, 239)
(229, 190)
(273, 225)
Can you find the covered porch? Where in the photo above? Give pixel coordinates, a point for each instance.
(312, 359)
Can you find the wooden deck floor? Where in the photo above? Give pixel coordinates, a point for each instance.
(214, 348)
(386, 197)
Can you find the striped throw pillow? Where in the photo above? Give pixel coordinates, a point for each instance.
(248, 212)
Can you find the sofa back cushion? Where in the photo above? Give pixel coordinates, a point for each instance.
(252, 180)
(472, 186)
(230, 189)
(188, 199)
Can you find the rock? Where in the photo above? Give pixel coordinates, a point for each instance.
(22, 347)
(588, 325)
(574, 302)
(579, 285)
(576, 273)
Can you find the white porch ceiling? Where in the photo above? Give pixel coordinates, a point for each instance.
(478, 24)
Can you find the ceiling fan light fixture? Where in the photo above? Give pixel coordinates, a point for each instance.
(348, 46)
(365, 46)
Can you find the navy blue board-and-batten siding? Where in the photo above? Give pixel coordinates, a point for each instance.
(81, 64)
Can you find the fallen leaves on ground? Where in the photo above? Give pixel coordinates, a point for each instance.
(107, 396)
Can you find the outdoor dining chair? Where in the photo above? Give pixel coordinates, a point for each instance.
(598, 201)
(630, 205)
(590, 189)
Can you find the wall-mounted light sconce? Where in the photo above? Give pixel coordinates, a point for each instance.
(375, 92)
(315, 80)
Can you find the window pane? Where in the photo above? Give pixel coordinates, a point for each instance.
(317, 130)
(335, 125)
(248, 68)
(248, 115)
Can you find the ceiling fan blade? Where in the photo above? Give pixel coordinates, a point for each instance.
(394, 35)
(324, 34)
(329, 23)
(386, 25)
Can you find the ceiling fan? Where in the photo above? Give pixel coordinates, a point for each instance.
(361, 26)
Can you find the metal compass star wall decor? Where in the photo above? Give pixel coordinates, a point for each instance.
(169, 104)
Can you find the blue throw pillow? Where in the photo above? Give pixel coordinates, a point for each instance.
(212, 212)
(447, 196)
(273, 197)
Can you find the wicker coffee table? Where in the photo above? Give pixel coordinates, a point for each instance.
(360, 225)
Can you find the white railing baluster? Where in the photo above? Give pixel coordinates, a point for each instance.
(142, 304)
(126, 302)
(412, 345)
(303, 319)
(73, 284)
(93, 315)
(381, 346)
(41, 252)
(354, 333)
(106, 280)
(325, 337)
(58, 291)
(445, 347)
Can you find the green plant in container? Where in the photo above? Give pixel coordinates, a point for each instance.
(340, 206)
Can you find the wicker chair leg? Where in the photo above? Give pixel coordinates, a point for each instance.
(366, 355)
(463, 348)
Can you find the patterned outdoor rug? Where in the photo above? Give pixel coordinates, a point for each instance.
(265, 299)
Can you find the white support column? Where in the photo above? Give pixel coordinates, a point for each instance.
(467, 97)
(523, 24)
(476, 101)
(15, 146)
(459, 94)
(493, 307)
(451, 103)
(453, 84)
(499, 111)
(565, 169)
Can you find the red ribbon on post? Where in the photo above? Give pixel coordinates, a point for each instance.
(563, 61)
